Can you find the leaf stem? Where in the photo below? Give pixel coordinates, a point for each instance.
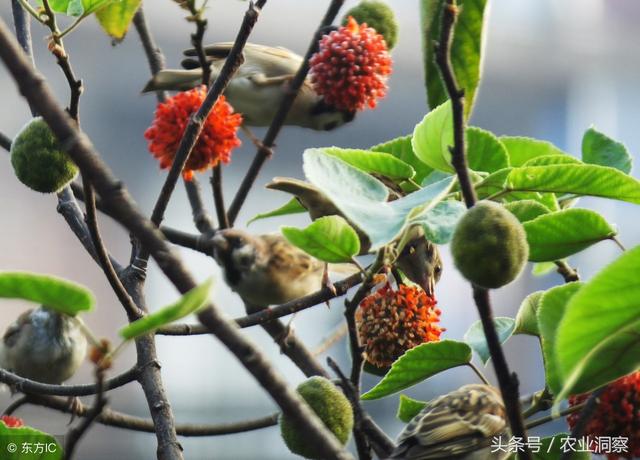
(479, 373)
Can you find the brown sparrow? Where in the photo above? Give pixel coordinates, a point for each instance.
(419, 260)
(460, 425)
(43, 345)
(257, 87)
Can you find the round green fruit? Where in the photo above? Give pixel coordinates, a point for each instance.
(489, 245)
(333, 408)
(38, 161)
(377, 15)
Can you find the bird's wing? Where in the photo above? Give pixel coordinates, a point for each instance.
(12, 334)
(286, 258)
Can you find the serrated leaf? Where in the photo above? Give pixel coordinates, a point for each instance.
(433, 136)
(190, 302)
(560, 234)
(493, 183)
(27, 436)
(292, 206)
(598, 337)
(579, 179)
(485, 152)
(56, 293)
(401, 148)
(548, 160)
(116, 17)
(476, 339)
(552, 307)
(523, 149)
(330, 239)
(380, 163)
(466, 49)
(526, 319)
(600, 149)
(542, 268)
(440, 222)
(419, 364)
(526, 210)
(409, 408)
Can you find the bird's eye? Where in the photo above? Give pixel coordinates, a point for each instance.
(438, 268)
(412, 250)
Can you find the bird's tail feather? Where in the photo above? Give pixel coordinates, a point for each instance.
(174, 80)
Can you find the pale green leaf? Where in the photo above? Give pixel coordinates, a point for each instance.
(526, 319)
(401, 148)
(440, 222)
(409, 408)
(526, 210)
(523, 149)
(433, 136)
(330, 239)
(475, 335)
(116, 17)
(292, 206)
(485, 152)
(542, 268)
(600, 149)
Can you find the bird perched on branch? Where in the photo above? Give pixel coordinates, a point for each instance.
(257, 87)
(419, 260)
(460, 425)
(43, 345)
(268, 270)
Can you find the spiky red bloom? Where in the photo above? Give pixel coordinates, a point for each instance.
(218, 136)
(11, 422)
(391, 322)
(351, 67)
(617, 415)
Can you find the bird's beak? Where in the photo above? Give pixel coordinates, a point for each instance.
(428, 283)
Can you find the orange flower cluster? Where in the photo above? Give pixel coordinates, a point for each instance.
(390, 322)
(617, 415)
(217, 140)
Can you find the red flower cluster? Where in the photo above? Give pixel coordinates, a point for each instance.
(391, 322)
(351, 67)
(617, 415)
(216, 141)
(11, 422)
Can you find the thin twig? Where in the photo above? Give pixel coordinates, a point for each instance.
(331, 340)
(550, 418)
(22, 25)
(218, 197)
(5, 142)
(508, 381)
(567, 272)
(201, 218)
(265, 150)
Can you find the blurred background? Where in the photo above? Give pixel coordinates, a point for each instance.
(551, 70)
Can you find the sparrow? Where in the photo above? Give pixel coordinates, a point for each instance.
(419, 259)
(257, 87)
(460, 425)
(43, 345)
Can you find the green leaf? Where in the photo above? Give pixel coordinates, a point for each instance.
(475, 335)
(116, 17)
(433, 136)
(523, 149)
(420, 363)
(560, 234)
(409, 408)
(401, 148)
(550, 312)
(466, 49)
(598, 339)
(440, 222)
(380, 163)
(599, 149)
(91, 6)
(330, 239)
(26, 435)
(527, 320)
(526, 210)
(77, 7)
(577, 179)
(189, 303)
(548, 160)
(542, 268)
(55, 293)
(292, 206)
(485, 152)
(493, 183)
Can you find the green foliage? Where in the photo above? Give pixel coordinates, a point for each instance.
(552, 306)
(465, 50)
(475, 335)
(526, 210)
(401, 148)
(489, 245)
(485, 152)
(433, 136)
(38, 161)
(329, 238)
(526, 319)
(599, 149)
(292, 206)
(330, 405)
(116, 17)
(58, 294)
(440, 222)
(378, 15)
(523, 149)
(380, 163)
(30, 436)
(560, 234)
(597, 339)
(409, 408)
(78, 7)
(542, 268)
(189, 303)
(420, 363)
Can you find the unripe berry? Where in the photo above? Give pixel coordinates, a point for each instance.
(333, 408)
(38, 161)
(377, 15)
(489, 245)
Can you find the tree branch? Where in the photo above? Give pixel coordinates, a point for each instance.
(568, 273)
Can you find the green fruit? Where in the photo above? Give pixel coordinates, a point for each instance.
(330, 404)
(38, 160)
(377, 15)
(489, 245)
